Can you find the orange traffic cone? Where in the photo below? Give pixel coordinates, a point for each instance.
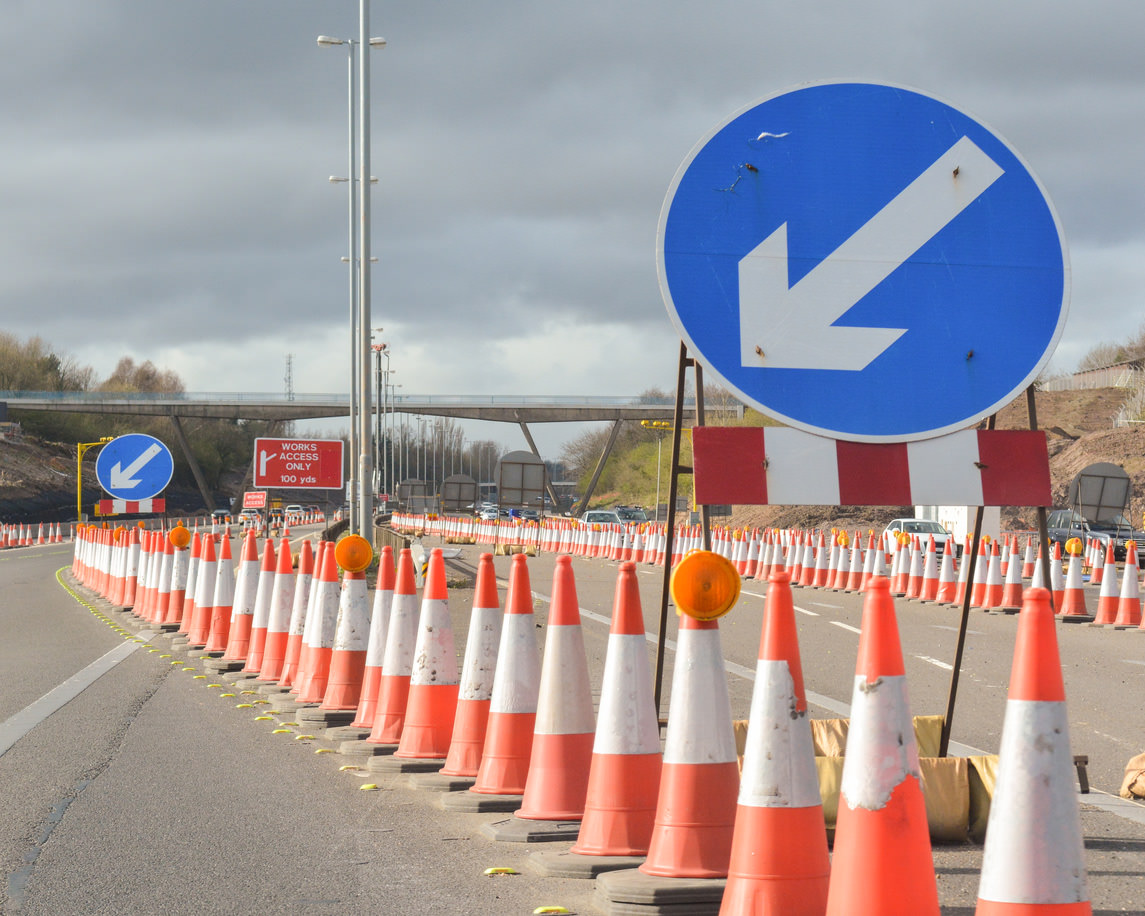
(477, 671)
(268, 584)
(178, 584)
(432, 703)
(1011, 600)
(1107, 598)
(1129, 605)
(351, 630)
(1073, 606)
(242, 609)
(278, 618)
(135, 592)
(516, 685)
(779, 861)
(947, 586)
(1033, 860)
(303, 583)
(557, 784)
(624, 776)
(695, 810)
(204, 595)
(318, 632)
(882, 863)
(222, 602)
(376, 646)
(929, 589)
(397, 666)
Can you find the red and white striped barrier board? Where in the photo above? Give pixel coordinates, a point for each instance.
(781, 466)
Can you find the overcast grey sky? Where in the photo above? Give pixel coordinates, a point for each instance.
(165, 171)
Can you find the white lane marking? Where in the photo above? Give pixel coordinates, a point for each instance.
(935, 662)
(15, 728)
(834, 607)
(845, 626)
(955, 630)
(803, 610)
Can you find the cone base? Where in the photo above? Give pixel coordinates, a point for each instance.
(391, 714)
(464, 757)
(620, 808)
(344, 683)
(882, 863)
(558, 777)
(695, 819)
(505, 763)
(428, 727)
(994, 908)
(779, 862)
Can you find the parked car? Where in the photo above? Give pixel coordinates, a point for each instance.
(294, 509)
(631, 514)
(1063, 524)
(220, 515)
(488, 513)
(922, 528)
(250, 516)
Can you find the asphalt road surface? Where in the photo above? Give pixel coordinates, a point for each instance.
(146, 792)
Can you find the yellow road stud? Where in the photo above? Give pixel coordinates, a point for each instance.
(494, 872)
(324, 750)
(542, 910)
(243, 706)
(281, 731)
(368, 787)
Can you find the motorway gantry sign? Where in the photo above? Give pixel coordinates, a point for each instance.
(298, 463)
(134, 467)
(863, 261)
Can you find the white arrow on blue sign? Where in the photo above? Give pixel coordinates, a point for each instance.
(863, 261)
(134, 467)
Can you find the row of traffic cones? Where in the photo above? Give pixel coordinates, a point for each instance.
(687, 811)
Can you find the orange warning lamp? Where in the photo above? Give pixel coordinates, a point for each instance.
(704, 585)
(844, 540)
(353, 553)
(1130, 547)
(179, 537)
(1073, 547)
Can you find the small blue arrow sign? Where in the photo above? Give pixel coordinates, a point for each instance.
(863, 261)
(135, 466)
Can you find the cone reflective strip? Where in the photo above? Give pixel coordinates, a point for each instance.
(624, 776)
(303, 584)
(779, 861)
(278, 616)
(699, 782)
(222, 601)
(559, 761)
(376, 645)
(351, 636)
(397, 666)
(882, 863)
(477, 673)
(242, 608)
(1033, 859)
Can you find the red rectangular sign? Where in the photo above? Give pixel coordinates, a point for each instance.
(296, 464)
(254, 499)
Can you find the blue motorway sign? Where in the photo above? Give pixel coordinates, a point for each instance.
(863, 261)
(135, 466)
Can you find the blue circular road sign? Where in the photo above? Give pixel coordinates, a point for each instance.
(863, 261)
(135, 466)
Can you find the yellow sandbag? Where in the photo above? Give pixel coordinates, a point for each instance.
(928, 735)
(830, 780)
(983, 776)
(739, 729)
(946, 787)
(829, 736)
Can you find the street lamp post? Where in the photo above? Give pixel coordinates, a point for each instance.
(81, 450)
(660, 425)
(361, 458)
